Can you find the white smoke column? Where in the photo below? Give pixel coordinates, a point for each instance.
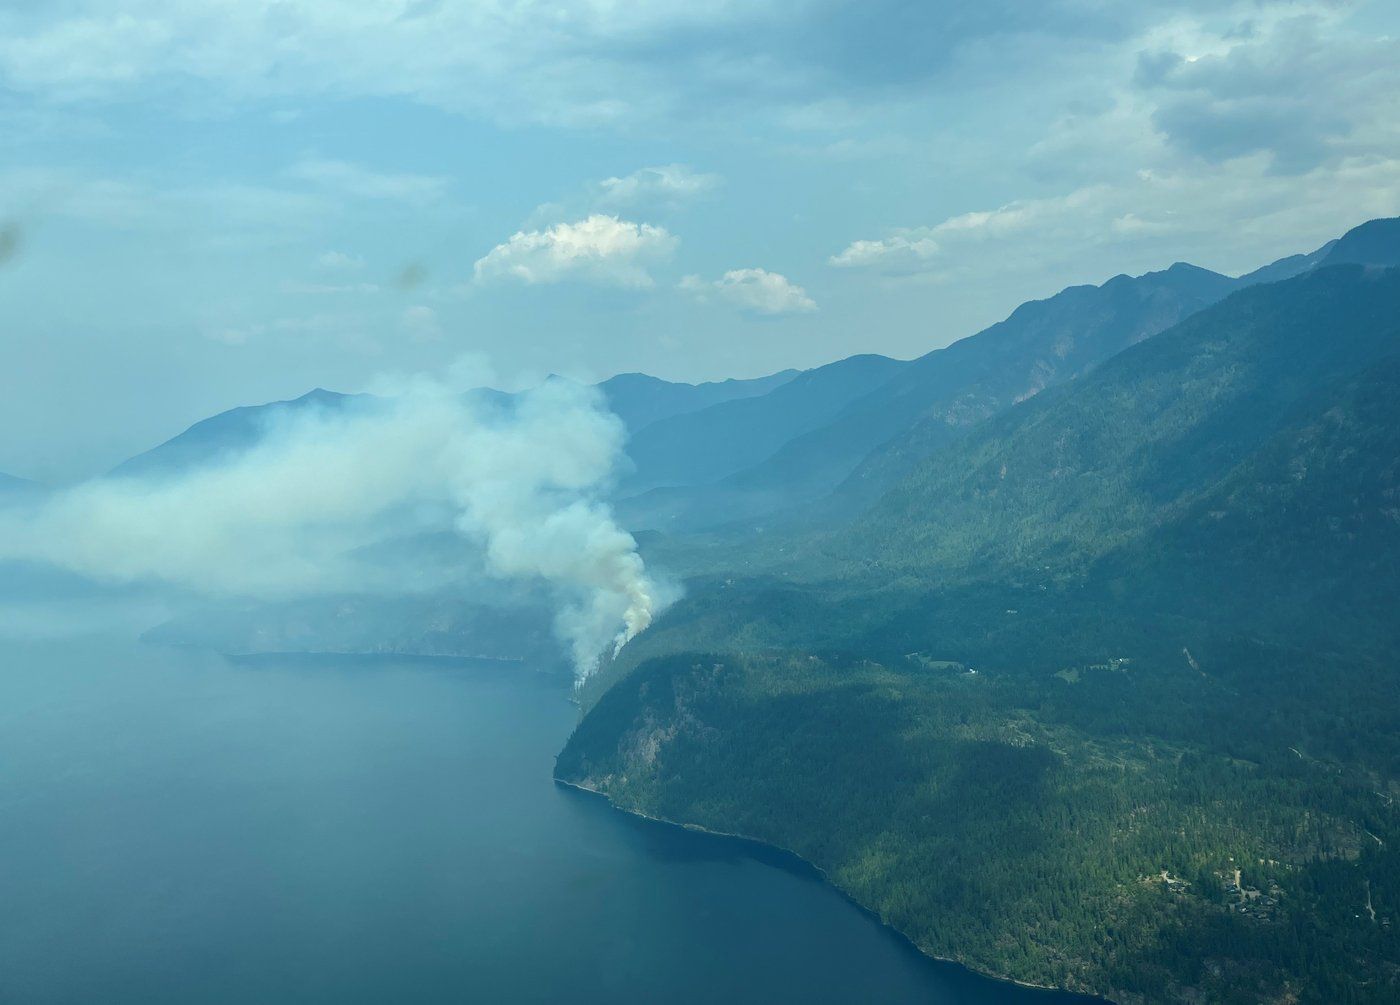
(293, 515)
(525, 487)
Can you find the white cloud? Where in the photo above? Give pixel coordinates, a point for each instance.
(910, 245)
(599, 249)
(914, 248)
(1144, 221)
(755, 290)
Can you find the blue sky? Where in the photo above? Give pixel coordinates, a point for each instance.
(207, 203)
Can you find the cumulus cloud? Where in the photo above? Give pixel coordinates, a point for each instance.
(302, 512)
(755, 290)
(599, 249)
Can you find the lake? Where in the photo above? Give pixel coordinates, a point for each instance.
(178, 827)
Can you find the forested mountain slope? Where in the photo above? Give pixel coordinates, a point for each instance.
(1073, 475)
(1302, 539)
(1376, 242)
(1040, 704)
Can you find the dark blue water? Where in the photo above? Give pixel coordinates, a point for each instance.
(175, 827)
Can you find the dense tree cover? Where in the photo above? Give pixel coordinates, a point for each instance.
(1021, 823)
(1089, 466)
(1044, 699)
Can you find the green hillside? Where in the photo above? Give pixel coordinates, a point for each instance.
(1038, 704)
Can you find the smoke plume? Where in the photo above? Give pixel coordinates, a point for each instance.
(325, 494)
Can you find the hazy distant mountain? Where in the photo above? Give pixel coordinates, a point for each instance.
(639, 399)
(1287, 268)
(1375, 243)
(222, 435)
(11, 484)
(636, 398)
(713, 442)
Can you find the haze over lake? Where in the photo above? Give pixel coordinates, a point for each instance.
(175, 826)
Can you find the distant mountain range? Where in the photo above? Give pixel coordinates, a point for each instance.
(702, 446)
(639, 400)
(876, 434)
(13, 486)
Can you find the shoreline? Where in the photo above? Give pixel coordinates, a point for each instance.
(825, 878)
(258, 654)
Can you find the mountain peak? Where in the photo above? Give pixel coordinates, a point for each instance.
(1376, 242)
(319, 396)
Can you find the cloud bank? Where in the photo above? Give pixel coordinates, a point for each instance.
(305, 511)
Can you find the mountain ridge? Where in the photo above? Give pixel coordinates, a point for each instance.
(866, 446)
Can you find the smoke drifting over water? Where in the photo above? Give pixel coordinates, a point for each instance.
(320, 501)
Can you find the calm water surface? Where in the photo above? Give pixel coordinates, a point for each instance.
(175, 827)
